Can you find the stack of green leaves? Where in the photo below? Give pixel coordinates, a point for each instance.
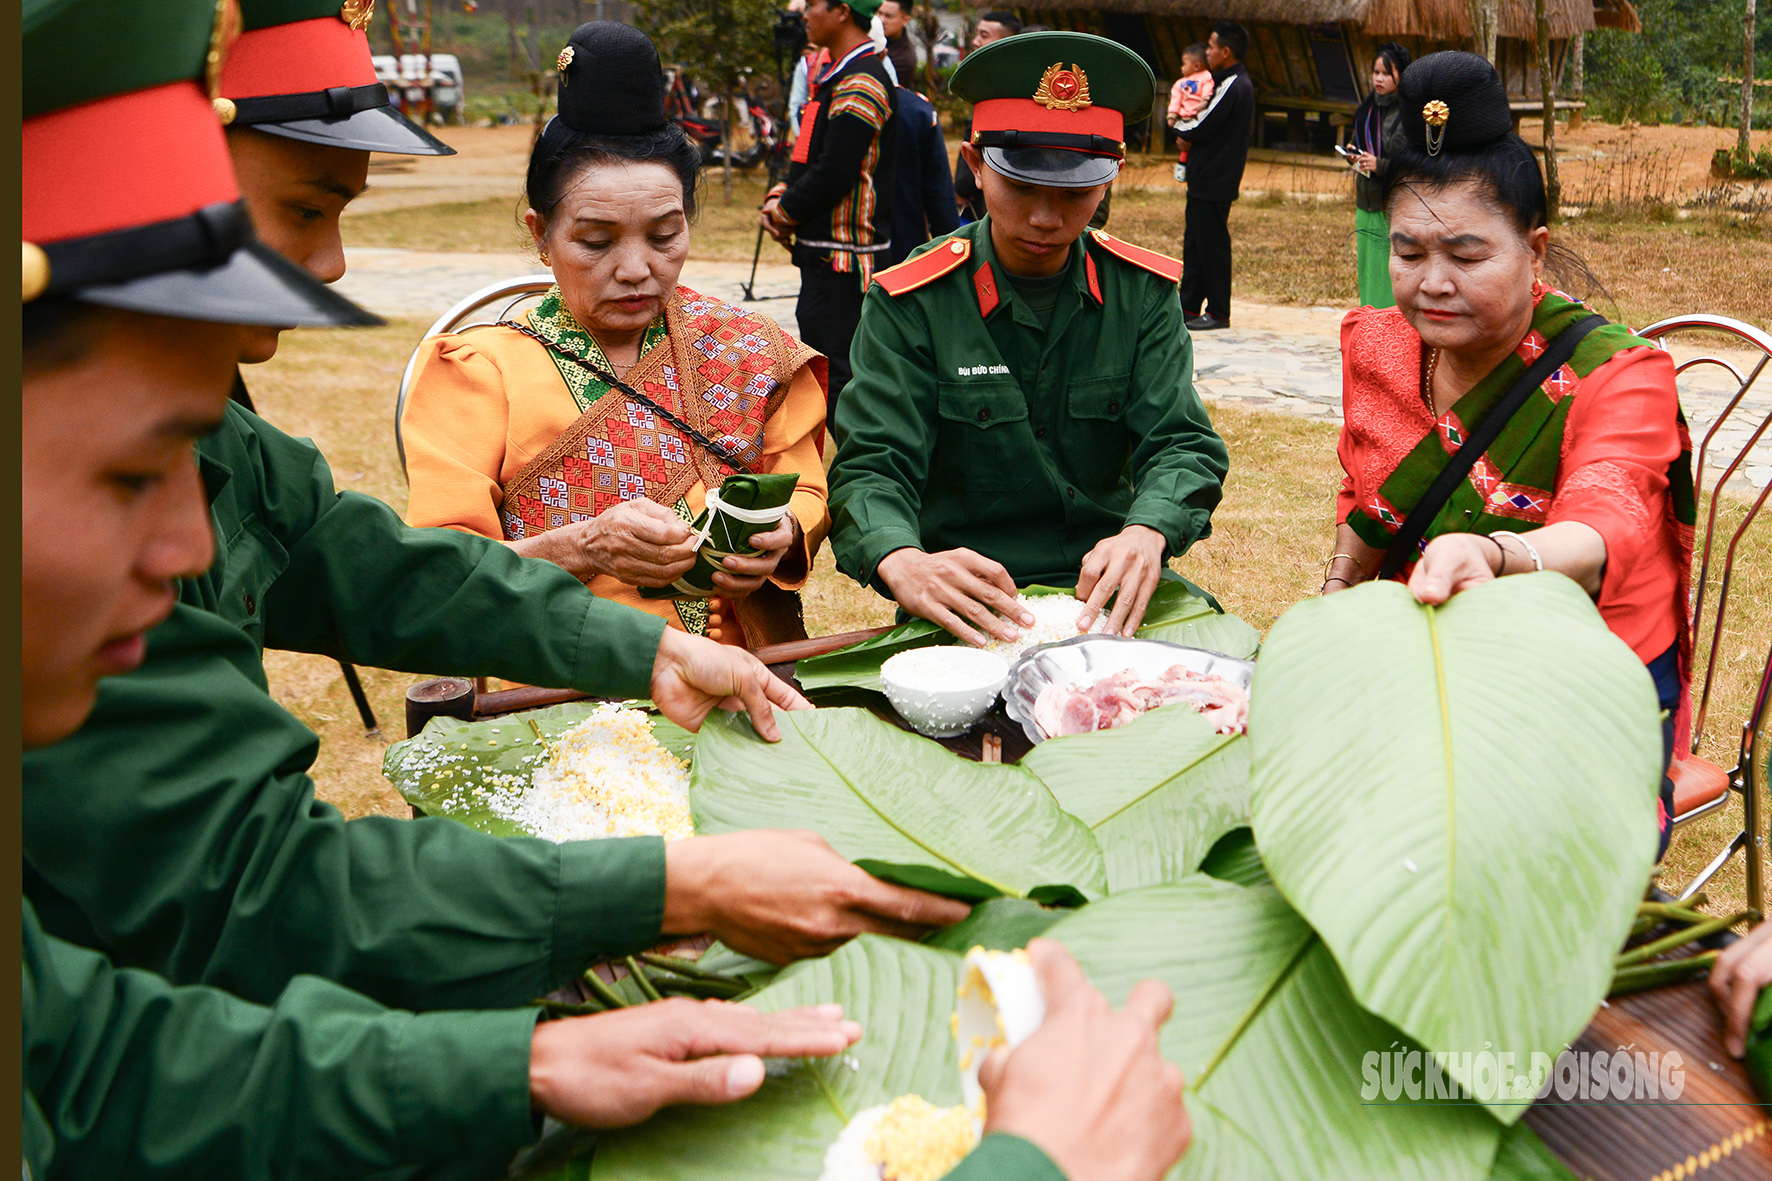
(1435, 837)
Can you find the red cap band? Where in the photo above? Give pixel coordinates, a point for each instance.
(1024, 114)
(131, 160)
(297, 58)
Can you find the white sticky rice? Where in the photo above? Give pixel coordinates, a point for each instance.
(1055, 618)
(908, 1139)
(608, 777)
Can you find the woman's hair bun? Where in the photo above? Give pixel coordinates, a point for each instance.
(1453, 101)
(611, 82)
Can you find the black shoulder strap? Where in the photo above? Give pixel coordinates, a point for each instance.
(1404, 545)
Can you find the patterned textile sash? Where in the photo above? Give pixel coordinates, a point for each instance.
(736, 367)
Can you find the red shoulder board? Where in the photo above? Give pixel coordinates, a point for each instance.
(1160, 265)
(925, 268)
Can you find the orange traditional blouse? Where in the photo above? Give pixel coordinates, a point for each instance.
(487, 402)
(1622, 435)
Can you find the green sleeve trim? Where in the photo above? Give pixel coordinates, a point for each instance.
(617, 647)
(1003, 1157)
(610, 901)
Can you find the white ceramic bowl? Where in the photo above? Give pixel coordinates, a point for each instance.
(941, 691)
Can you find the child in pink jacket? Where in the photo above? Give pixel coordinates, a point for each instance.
(1191, 92)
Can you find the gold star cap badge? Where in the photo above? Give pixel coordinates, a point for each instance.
(357, 13)
(1063, 89)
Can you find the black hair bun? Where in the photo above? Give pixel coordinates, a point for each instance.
(611, 82)
(1453, 101)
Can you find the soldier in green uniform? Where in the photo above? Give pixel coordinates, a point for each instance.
(1023, 406)
(177, 830)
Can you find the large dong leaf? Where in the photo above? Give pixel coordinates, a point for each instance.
(1178, 612)
(452, 768)
(1270, 1043)
(902, 993)
(903, 807)
(1461, 800)
(1156, 793)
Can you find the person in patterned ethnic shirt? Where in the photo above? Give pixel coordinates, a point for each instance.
(515, 431)
(834, 210)
(1591, 476)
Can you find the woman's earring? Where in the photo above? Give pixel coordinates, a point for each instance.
(545, 261)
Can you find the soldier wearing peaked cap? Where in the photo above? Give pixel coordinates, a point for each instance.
(1023, 408)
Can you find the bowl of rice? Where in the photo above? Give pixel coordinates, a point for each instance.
(941, 691)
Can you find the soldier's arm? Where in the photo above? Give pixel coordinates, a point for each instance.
(885, 429)
(129, 1076)
(860, 107)
(363, 586)
(178, 829)
(1179, 463)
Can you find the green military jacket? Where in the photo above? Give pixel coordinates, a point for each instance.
(127, 1076)
(968, 424)
(177, 830)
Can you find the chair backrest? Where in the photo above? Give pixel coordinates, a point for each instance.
(488, 305)
(1744, 416)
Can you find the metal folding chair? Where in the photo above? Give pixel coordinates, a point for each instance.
(1701, 786)
(507, 295)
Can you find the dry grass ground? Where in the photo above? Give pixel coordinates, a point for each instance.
(1270, 537)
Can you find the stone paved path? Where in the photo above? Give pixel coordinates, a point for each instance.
(1276, 358)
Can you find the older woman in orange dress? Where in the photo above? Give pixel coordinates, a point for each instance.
(589, 432)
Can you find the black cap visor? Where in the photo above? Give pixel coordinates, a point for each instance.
(256, 285)
(1060, 168)
(378, 129)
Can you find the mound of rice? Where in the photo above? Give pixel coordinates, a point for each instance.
(608, 777)
(1055, 618)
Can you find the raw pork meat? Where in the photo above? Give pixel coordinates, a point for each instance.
(1120, 697)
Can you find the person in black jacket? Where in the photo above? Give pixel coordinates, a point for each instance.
(1218, 150)
(923, 204)
(834, 211)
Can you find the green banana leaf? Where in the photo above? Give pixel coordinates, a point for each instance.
(1179, 612)
(1270, 1042)
(1758, 1057)
(1000, 924)
(1236, 859)
(451, 767)
(902, 807)
(902, 993)
(1462, 801)
(1522, 1156)
(1156, 793)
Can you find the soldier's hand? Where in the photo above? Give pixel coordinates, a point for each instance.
(615, 1069)
(1130, 562)
(692, 676)
(784, 896)
(1088, 1087)
(964, 592)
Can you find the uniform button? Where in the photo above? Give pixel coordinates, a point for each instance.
(957, 247)
(984, 416)
(1071, 492)
(251, 604)
(1113, 407)
(1039, 432)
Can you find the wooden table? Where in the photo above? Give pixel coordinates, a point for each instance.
(1718, 1129)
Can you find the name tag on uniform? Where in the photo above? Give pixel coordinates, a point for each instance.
(980, 370)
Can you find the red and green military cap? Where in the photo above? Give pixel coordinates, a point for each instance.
(1051, 108)
(129, 198)
(302, 69)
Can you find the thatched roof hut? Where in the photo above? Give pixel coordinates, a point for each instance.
(1311, 59)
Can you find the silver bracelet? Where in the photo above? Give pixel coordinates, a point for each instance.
(1531, 550)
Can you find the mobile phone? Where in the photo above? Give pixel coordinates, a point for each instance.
(1345, 152)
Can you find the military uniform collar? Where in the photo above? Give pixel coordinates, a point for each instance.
(990, 281)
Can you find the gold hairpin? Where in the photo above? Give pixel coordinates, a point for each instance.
(1436, 114)
(564, 60)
